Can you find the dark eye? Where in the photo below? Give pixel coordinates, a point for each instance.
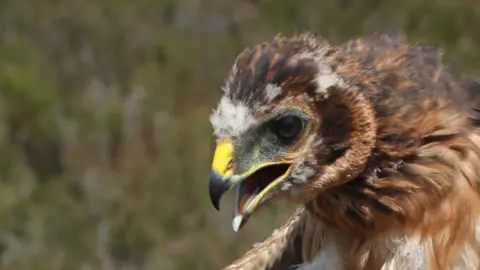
(288, 127)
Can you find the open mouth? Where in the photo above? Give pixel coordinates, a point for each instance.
(256, 187)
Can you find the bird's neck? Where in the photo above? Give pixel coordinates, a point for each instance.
(349, 217)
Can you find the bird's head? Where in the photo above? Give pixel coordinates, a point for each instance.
(287, 125)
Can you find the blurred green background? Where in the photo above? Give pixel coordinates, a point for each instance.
(105, 144)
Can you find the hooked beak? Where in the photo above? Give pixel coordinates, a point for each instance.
(218, 186)
(254, 185)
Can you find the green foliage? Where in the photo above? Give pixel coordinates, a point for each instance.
(105, 144)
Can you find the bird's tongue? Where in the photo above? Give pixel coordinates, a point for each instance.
(250, 188)
(247, 191)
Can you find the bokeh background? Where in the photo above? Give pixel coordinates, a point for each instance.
(105, 144)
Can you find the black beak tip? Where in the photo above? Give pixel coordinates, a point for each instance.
(218, 186)
(215, 200)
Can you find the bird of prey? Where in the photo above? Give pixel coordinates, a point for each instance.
(377, 141)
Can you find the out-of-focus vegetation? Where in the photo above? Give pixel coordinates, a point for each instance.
(105, 144)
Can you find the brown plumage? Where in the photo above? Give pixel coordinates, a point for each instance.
(381, 150)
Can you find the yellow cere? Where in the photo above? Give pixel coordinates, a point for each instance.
(222, 158)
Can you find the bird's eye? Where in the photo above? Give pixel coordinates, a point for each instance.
(288, 127)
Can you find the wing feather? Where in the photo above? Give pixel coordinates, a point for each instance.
(279, 251)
